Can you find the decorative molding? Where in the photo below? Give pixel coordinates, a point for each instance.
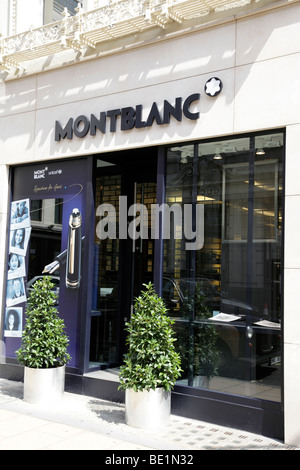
(12, 16)
(117, 19)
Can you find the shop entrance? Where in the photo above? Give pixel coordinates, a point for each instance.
(123, 248)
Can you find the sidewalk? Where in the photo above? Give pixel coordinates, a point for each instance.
(86, 423)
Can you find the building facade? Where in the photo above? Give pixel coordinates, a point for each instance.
(158, 141)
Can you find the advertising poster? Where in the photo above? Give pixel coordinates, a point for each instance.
(57, 188)
(16, 273)
(20, 215)
(13, 322)
(18, 244)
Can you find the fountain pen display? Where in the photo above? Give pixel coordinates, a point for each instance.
(73, 265)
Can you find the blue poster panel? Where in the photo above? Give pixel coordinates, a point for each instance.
(61, 186)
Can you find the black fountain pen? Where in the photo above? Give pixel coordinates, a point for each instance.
(74, 248)
(73, 265)
(58, 261)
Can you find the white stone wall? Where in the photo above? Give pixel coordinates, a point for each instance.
(258, 60)
(20, 15)
(291, 288)
(4, 17)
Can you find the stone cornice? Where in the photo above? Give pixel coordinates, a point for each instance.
(118, 26)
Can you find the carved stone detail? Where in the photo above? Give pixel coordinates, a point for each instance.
(87, 29)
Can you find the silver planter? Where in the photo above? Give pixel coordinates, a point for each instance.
(147, 409)
(44, 385)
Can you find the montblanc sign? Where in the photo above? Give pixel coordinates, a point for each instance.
(128, 118)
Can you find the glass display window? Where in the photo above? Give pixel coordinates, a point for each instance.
(225, 297)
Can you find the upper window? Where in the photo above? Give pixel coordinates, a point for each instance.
(55, 8)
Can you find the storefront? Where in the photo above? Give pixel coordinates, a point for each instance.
(178, 177)
(218, 269)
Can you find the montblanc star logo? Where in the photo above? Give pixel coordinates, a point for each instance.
(213, 86)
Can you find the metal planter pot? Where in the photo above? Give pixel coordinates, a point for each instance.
(44, 385)
(147, 409)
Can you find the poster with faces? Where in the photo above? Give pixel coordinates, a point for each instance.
(20, 229)
(19, 239)
(20, 214)
(15, 292)
(13, 322)
(16, 266)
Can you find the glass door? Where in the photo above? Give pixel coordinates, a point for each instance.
(104, 316)
(123, 251)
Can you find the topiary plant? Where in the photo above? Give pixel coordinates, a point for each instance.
(151, 360)
(44, 342)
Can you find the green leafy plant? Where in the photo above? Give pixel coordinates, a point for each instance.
(151, 360)
(44, 342)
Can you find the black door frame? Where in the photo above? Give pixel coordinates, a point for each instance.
(132, 169)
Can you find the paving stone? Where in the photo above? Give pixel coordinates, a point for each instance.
(104, 424)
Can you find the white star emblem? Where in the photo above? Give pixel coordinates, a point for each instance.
(213, 86)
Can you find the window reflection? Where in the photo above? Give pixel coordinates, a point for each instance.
(45, 239)
(226, 297)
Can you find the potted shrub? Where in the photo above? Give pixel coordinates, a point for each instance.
(43, 350)
(151, 365)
